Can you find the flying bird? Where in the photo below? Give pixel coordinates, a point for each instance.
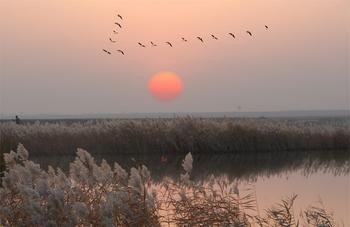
(119, 25)
(113, 41)
(120, 16)
(249, 33)
(169, 44)
(231, 34)
(200, 38)
(214, 37)
(141, 44)
(267, 27)
(106, 51)
(183, 39)
(152, 43)
(120, 51)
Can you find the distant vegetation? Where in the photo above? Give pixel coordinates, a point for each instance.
(269, 142)
(177, 136)
(104, 195)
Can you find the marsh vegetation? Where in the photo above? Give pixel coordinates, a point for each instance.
(67, 188)
(178, 136)
(104, 195)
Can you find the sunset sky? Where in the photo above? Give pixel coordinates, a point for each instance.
(52, 59)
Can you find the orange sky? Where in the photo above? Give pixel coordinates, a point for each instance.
(51, 53)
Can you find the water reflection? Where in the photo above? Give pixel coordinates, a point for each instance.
(318, 189)
(313, 178)
(235, 166)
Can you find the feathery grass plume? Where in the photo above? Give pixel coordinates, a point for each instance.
(318, 216)
(91, 195)
(282, 213)
(187, 166)
(179, 135)
(187, 163)
(97, 195)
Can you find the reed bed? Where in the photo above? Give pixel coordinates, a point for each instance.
(103, 195)
(177, 136)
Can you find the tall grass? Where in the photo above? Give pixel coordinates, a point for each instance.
(176, 136)
(104, 195)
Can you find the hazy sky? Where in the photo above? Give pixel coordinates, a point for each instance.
(52, 62)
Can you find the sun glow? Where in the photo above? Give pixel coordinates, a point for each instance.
(165, 86)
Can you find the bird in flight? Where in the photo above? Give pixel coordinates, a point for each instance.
(152, 43)
(141, 44)
(113, 41)
(183, 39)
(200, 39)
(214, 37)
(249, 33)
(267, 27)
(118, 24)
(106, 51)
(231, 34)
(120, 16)
(120, 51)
(169, 44)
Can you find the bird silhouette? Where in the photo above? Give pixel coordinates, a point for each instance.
(141, 44)
(106, 51)
(200, 39)
(168, 43)
(214, 37)
(120, 51)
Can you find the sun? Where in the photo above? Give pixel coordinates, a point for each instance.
(165, 86)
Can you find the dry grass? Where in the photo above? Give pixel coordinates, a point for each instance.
(178, 135)
(101, 195)
(240, 137)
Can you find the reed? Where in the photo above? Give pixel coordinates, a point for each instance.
(177, 136)
(103, 195)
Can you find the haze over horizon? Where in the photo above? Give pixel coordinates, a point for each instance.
(51, 59)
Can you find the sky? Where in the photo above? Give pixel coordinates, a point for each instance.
(51, 58)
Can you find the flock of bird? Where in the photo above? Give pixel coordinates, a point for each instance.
(153, 44)
(115, 32)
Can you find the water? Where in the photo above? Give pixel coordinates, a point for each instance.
(272, 178)
(333, 191)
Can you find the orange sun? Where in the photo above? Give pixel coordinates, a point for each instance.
(165, 86)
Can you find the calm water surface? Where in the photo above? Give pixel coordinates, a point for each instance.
(313, 181)
(333, 191)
